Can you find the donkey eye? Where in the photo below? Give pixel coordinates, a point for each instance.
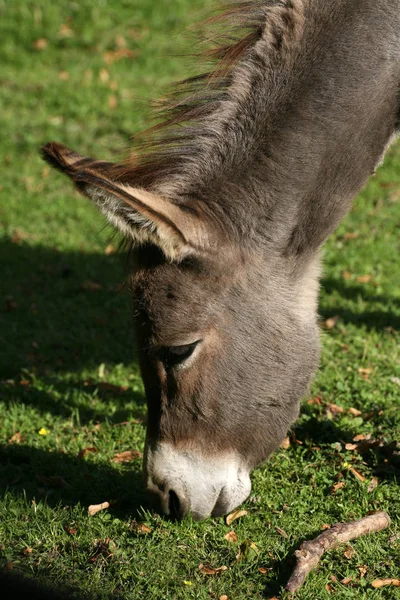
(174, 355)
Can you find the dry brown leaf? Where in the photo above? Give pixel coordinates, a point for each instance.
(104, 386)
(104, 548)
(263, 570)
(325, 526)
(332, 322)
(346, 275)
(351, 446)
(206, 570)
(235, 515)
(282, 532)
(329, 588)
(338, 486)
(357, 474)
(140, 527)
(355, 412)
(378, 583)
(334, 408)
(346, 580)
(95, 508)
(224, 597)
(27, 551)
(361, 436)
(364, 279)
(110, 249)
(333, 578)
(16, 438)
(351, 235)
(112, 56)
(112, 101)
(85, 451)
(349, 552)
(126, 456)
(363, 569)
(286, 443)
(71, 530)
(372, 485)
(40, 44)
(231, 537)
(317, 401)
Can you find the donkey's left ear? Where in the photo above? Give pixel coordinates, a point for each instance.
(177, 229)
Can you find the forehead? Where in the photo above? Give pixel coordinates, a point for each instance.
(172, 301)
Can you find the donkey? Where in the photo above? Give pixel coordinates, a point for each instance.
(254, 165)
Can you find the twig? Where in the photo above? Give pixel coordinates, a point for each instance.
(310, 553)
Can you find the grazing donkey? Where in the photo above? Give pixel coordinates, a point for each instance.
(228, 206)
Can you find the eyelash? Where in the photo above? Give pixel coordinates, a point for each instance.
(175, 355)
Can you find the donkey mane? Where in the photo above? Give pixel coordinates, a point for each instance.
(197, 116)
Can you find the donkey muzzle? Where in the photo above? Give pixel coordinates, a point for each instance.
(182, 481)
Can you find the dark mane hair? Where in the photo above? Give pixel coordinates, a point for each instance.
(185, 126)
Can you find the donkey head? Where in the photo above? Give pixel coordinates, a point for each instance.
(225, 351)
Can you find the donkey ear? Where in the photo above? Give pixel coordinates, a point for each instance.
(179, 230)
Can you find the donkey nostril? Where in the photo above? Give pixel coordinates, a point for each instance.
(178, 507)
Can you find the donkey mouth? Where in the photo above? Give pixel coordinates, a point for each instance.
(184, 482)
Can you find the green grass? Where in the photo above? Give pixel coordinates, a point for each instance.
(65, 331)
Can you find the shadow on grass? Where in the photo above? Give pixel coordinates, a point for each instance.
(371, 319)
(16, 585)
(62, 478)
(383, 460)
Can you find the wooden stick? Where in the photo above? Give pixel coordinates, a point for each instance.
(310, 553)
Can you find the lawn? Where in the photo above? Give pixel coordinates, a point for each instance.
(71, 401)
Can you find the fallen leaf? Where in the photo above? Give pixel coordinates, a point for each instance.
(325, 526)
(235, 515)
(85, 451)
(223, 597)
(378, 583)
(317, 401)
(63, 75)
(351, 446)
(263, 570)
(334, 408)
(112, 101)
(126, 456)
(349, 552)
(282, 532)
(70, 530)
(357, 474)
(363, 569)
(355, 412)
(372, 485)
(338, 486)
(206, 570)
(332, 322)
(247, 551)
(346, 580)
(334, 578)
(231, 537)
(286, 443)
(65, 31)
(110, 249)
(188, 582)
(40, 44)
(27, 551)
(329, 588)
(140, 527)
(351, 235)
(361, 436)
(346, 275)
(104, 548)
(112, 56)
(395, 380)
(95, 508)
(110, 387)
(16, 438)
(364, 278)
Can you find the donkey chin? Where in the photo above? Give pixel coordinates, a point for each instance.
(183, 481)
